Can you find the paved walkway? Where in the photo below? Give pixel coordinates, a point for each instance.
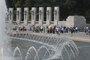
(81, 36)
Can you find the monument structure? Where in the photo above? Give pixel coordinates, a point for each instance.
(48, 15)
(10, 19)
(10, 15)
(26, 15)
(56, 15)
(71, 21)
(76, 21)
(41, 15)
(18, 15)
(33, 15)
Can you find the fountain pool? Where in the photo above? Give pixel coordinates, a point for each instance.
(34, 47)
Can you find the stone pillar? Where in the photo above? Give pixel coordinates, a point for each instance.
(10, 15)
(33, 15)
(18, 15)
(48, 15)
(26, 15)
(41, 15)
(56, 15)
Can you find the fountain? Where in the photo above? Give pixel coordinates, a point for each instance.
(4, 41)
(31, 54)
(45, 48)
(34, 47)
(17, 54)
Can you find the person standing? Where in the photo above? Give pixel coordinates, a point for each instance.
(41, 29)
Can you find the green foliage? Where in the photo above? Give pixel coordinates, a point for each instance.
(69, 3)
(17, 4)
(27, 3)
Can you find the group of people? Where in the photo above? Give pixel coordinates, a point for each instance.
(62, 29)
(56, 29)
(23, 28)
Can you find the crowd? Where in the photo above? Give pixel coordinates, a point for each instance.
(56, 29)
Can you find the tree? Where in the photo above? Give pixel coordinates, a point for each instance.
(9, 3)
(27, 3)
(17, 4)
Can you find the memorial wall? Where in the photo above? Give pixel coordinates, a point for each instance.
(71, 21)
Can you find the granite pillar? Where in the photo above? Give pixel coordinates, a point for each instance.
(48, 15)
(56, 15)
(18, 15)
(10, 15)
(41, 15)
(26, 15)
(33, 15)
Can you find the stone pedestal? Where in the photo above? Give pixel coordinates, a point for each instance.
(76, 21)
(10, 15)
(56, 15)
(26, 15)
(48, 15)
(18, 15)
(33, 15)
(41, 15)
